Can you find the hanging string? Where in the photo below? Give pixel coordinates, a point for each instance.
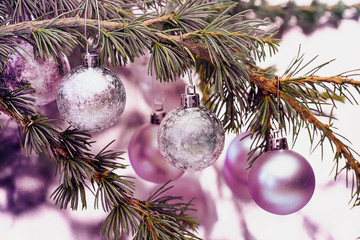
(157, 102)
(187, 67)
(278, 104)
(98, 23)
(163, 92)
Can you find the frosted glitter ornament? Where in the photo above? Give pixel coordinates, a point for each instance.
(91, 97)
(44, 75)
(191, 137)
(144, 154)
(281, 181)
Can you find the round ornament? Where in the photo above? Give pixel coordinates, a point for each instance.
(235, 170)
(237, 156)
(44, 75)
(281, 181)
(238, 186)
(144, 154)
(90, 97)
(191, 137)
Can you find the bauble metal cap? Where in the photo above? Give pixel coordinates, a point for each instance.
(91, 60)
(278, 143)
(158, 114)
(190, 98)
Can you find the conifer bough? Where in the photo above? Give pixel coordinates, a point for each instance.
(212, 37)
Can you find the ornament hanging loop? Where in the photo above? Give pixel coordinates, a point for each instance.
(156, 103)
(158, 114)
(278, 142)
(94, 46)
(278, 104)
(187, 67)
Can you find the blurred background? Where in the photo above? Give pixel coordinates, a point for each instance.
(225, 210)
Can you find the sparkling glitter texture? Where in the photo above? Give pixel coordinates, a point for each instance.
(191, 137)
(43, 75)
(91, 98)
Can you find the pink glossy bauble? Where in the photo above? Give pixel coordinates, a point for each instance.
(237, 156)
(238, 186)
(281, 181)
(146, 158)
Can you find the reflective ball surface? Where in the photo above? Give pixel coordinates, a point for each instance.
(146, 159)
(91, 98)
(191, 138)
(281, 182)
(237, 156)
(238, 186)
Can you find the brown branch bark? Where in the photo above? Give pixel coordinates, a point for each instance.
(198, 50)
(317, 79)
(73, 22)
(165, 18)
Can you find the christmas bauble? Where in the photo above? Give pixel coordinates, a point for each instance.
(43, 75)
(237, 156)
(191, 137)
(146, 158)
(238, 186)
(281, 181)
(91, 97)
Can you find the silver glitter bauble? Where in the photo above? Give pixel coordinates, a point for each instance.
(191, 137)
(91, 97)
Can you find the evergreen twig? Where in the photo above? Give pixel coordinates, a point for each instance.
(222, 43)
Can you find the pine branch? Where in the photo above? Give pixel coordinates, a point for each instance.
(16, 104)
(77, 166)
(22, 28)
(222, 45)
